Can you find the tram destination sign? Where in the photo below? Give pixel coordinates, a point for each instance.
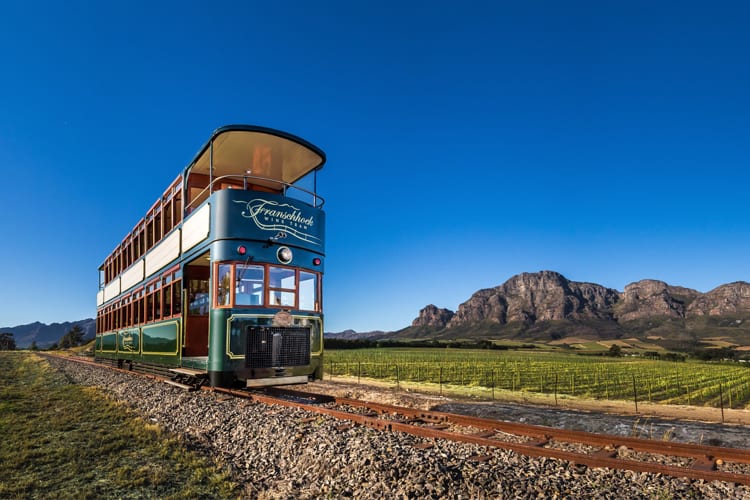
(282, 217)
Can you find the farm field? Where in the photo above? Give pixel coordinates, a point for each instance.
(695, 383)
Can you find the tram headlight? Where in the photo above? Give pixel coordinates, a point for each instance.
(284, 255)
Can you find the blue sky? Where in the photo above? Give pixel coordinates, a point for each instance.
(467, 141)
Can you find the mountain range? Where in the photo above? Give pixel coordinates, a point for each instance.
(46, 335)
(546, 306)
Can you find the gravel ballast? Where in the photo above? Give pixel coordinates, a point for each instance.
(279, 452)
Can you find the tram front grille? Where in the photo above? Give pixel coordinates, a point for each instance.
(275, 347)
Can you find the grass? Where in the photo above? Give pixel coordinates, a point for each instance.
(61, 440)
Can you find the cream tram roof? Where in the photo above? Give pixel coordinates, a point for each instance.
(246, 150)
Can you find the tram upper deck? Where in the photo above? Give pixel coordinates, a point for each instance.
(240, 157)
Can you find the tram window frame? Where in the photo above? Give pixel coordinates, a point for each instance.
(171, 292)
(244, 269)
(141, 238)
(152, 290)
(315, 290)
(149, 235)
(280, 293)
(224, 272)
(157, 300)
(131, 250)
(136, 306)
(229, 290)
(166, 299)
(177, 203)
(126, 323)
(198, 301)
(158, 229)
(168, 216)
(177, 293)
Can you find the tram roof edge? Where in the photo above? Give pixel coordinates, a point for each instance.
(228, 129)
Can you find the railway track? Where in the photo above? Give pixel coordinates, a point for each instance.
(692, 461)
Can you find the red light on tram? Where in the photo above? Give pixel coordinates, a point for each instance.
(316, 261)
(241, 250)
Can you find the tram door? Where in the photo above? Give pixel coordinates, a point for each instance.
(197, 286)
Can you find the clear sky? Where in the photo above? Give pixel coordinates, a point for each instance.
(467, 141)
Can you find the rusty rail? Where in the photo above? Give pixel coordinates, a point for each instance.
(704, 464)
(704, 459)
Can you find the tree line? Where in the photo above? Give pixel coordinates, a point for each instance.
(72, 338)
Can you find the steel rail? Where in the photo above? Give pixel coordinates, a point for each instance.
(569, 436)
(704, 467)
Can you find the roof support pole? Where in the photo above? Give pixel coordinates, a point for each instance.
(211, 168)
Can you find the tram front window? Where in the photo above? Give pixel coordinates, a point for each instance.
(249, 286)
(282, 284)
(308, 291)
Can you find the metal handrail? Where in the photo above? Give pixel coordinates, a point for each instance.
(285, 185)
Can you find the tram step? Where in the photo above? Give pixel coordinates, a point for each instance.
(181, 386)
(189, 371)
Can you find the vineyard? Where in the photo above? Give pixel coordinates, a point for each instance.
(690, 383)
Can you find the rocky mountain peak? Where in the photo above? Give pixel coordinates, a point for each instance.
(732, 298)
(433, 316)
(532, 297)
(527, 299)
(649, 297)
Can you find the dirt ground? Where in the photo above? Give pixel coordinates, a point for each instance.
(691, 424)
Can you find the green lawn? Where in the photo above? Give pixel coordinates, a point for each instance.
(61, 440)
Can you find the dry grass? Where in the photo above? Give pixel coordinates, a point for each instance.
(60, 440)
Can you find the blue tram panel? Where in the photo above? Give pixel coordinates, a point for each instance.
(267, 217)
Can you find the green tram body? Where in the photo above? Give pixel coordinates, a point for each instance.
(234, 287)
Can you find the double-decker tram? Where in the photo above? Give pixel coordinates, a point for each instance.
(222, 278)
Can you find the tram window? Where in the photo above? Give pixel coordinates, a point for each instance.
(224, 285)
(149, 235)
(177, 297)
(281, 277)
(137, 308)
(142, 306)
(282, 284)
(249, 285)
(279, 298)
(157, 300)
(198, 296)
(157, 226)
(308, 291)
(177, 209)
(168, 219)
(149, 307)
(141, 240)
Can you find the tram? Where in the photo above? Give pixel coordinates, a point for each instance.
(223, 276)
